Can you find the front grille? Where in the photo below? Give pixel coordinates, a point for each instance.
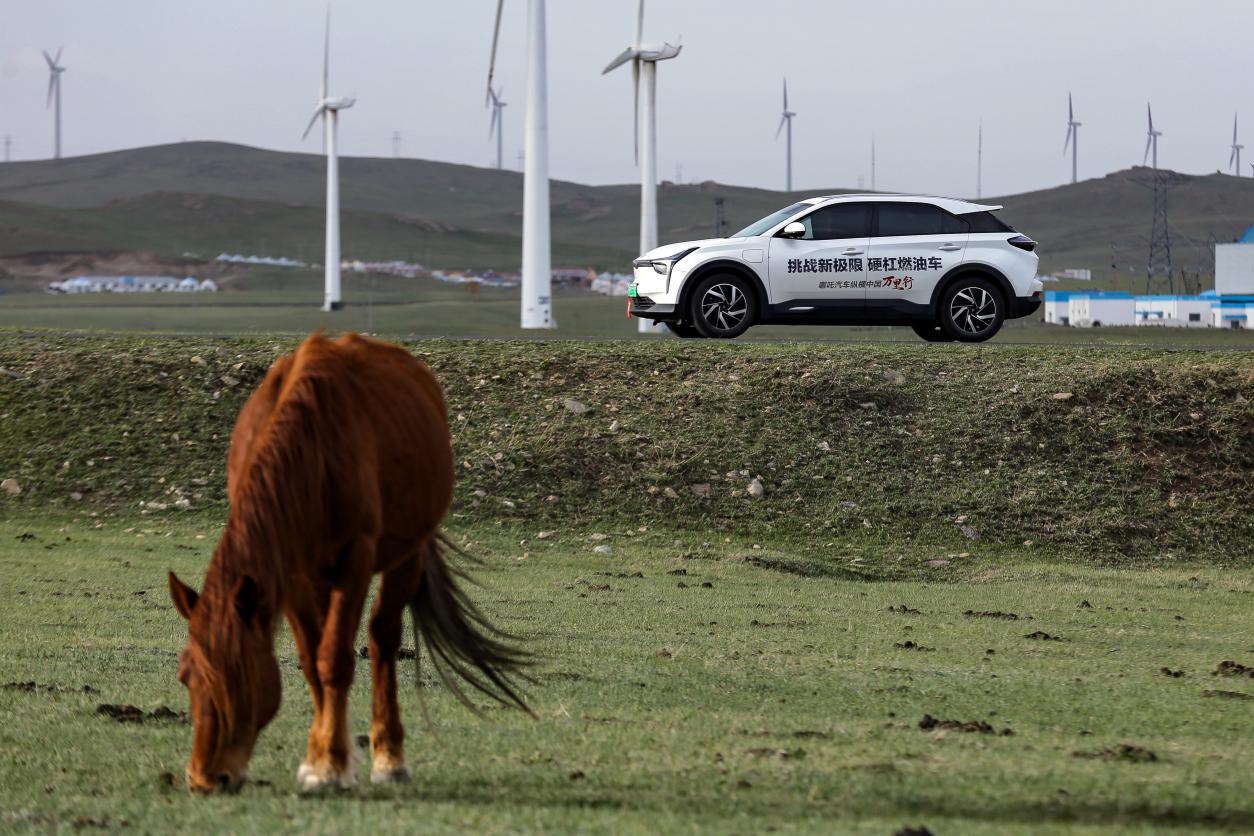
(641, 303)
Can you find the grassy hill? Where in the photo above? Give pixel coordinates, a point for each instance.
(204, 197)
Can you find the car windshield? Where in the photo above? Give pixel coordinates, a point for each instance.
(770, 221)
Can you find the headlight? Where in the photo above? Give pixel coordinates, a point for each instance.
(662, 266)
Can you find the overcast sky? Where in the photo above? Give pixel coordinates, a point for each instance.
(920, 74)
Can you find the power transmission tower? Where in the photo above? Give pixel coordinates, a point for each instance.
(1159, 262)
(719, 223)
(396, 144)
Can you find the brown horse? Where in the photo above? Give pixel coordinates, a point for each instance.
(340, 468)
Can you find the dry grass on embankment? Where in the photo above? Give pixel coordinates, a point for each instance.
(1119, 453)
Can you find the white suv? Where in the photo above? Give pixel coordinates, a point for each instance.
(949, 269)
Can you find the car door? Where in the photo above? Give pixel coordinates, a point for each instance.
(826, 267)
(912, 246)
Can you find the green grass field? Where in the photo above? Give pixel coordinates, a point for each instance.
(727, 698)
(731, 664)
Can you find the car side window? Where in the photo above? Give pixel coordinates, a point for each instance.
(911, 219)
(953, 225)
(840, 220)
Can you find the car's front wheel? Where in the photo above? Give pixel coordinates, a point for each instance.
(972, 310)
(723, 307)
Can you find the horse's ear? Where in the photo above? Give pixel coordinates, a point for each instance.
(183, 596)
(247, 597)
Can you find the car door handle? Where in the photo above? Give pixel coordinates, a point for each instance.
(852, 251)
(949, 248)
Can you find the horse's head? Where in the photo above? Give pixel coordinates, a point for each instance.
(231, 676)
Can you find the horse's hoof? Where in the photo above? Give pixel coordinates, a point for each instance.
(396, 775)
(318, 777)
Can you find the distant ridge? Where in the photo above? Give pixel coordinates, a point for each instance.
(251, 195)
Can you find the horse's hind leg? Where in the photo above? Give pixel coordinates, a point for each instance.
(387, 735)
(330, 762)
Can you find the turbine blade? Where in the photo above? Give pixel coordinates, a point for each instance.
(635, 129)
(52, 85)
(496, 34)
(318, 112)
(785, 94)
(622, 58)
(1067, 144)
(57, 60)
(496, 115)
(1150, 112)
(1232, 158)
(1070, 109)
(326, 54)
(1148, 142)
(778, 130)
(640, 24)
(51, 64)
(1234, 129)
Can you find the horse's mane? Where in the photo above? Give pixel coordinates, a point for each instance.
(277, 486)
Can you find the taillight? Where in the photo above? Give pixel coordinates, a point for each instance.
(1023, 242)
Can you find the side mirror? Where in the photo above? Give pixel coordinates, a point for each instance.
(796, 229)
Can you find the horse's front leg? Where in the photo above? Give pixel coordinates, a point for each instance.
(330, 746)
(307, 612)
(387, 735)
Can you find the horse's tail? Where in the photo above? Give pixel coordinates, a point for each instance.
(458, 636)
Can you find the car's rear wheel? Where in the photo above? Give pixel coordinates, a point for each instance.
(722, 307)
(931, 332)
(684, 331)
(972, 310)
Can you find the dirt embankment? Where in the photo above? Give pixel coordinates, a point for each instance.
(1118, 453)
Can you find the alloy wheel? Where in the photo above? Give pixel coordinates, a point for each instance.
(724, 306)
(972, 310)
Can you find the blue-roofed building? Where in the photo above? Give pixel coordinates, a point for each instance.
(1174, 311)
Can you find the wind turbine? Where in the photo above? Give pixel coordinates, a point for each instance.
(1151, 141)
(1073, 139)
(1236, 149)
(872, 162)
(644, 58)
(786, 120)
(979, 163)
(537, 273)
(328, 109)
(54, 92)
(498, 124)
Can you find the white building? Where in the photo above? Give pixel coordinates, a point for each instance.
(1234, 267)
(131, 284)
(1175, 311)
(1057, 304)
(1101, 308)
(1235, 312)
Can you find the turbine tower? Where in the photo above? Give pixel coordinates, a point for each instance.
(786, 120)
(537, 272)
(1151, 141)
(54, 93)
(979, 163)
(497, 125)
(1073, 140)
(872, 162)
(1235, 159)
(644, 58)
(327, 110)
